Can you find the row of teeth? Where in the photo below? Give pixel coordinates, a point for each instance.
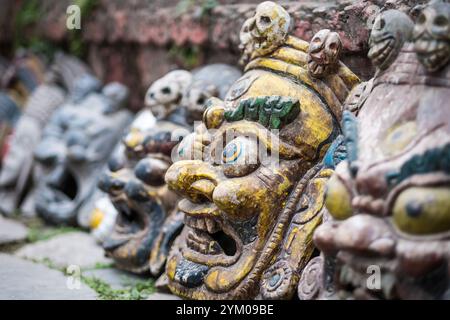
(316, 67)
(205, 224)
(202, 243)
(348, 276)
(383, 49)
(430, 46)
(435, 57)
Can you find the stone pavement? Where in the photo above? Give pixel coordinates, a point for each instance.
(39, 270)
(11, 231)
(21, 279)
(74, 248)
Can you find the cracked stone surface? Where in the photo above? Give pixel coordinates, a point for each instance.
(21, 279)
(74, 248)
(11, 231)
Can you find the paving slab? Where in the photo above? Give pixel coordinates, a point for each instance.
(11, 231)
(117, 279)
(25, 280)
(74, 248)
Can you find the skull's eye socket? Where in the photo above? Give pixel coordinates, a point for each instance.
(201, 101)
(317, 40)
(265, 20)
(421, 19)
(166, 90)
(382, 23)
(441, 21)
(333, 46)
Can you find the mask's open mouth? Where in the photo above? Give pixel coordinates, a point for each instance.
(366, 279)
(209, 241)
(381, 50)
(316, 67)
(64, 186)
(129, 225)
(129, 220)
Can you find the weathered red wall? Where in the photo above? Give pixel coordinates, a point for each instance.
(130, 40)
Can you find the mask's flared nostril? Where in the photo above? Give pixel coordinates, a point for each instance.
(204, 188)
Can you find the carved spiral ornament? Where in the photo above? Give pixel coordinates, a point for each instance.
(277, 280)
(309, 284)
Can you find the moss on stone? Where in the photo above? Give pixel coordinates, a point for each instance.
(135, 291)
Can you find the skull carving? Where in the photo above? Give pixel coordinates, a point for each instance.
(265, 31)
(212, 80)
(165, 94)
(432, 36)
(323, 53)
(390, 31)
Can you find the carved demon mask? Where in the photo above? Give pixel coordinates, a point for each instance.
(390, 199)
(323, 53)
(391, 29)
(432, 36)
(241, 176)
(147, 223)
(75, 145)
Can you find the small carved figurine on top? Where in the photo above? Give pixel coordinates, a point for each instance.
(166, 93)
(265, 31)
(390, 31)
(180, 95)
(323, 53)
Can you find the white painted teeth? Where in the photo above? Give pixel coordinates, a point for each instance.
(201, 242)
(211, 225)
(349, 276)
(204, 224)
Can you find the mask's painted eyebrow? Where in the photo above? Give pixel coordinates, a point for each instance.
(273, 112)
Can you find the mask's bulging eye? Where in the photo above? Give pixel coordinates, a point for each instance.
(240, 157)
(232, 152)
(422, 210)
